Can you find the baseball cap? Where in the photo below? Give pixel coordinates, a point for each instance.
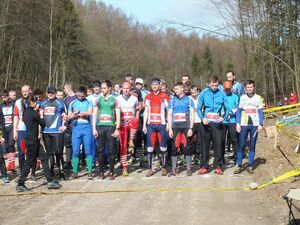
(227, 85)
(139, 80)
(51, 90)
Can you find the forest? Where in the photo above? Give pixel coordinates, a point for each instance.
(50, 42)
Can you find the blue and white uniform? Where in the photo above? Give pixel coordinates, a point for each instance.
(249, 116)
(82, 132)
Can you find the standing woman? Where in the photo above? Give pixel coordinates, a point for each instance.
(32, 122)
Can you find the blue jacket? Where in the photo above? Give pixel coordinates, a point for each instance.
(211, 101)
(231, 106)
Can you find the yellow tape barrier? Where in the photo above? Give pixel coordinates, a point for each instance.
(286, 108)
(282, 177)
(287, 132)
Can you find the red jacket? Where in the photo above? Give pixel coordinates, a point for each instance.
(293, 99)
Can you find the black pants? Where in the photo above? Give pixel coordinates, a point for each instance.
(9, 139)
(195, 143)
(68, 144)
(2, 164)
(230, 130)
(214, 132)
(33, 151)
(105, 138)
(181, 141)
(54, 144)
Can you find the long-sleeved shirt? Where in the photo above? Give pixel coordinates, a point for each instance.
(250, 110)
(231, 107)
(211, 104)
(32, 121)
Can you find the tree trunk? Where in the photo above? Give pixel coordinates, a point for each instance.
(50, 47)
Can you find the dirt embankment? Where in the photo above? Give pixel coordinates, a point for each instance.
(274, 162)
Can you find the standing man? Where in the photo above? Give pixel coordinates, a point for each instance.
(249, 121)
(237, 87)
(196, 137)
(69, 91)
(116, 90)
(154, 124)
(19, 128)
(211, 111)
(140, 135)
(12, 95)
(6, 121)
(104, 128)
(79, 113)
(185, 78)
(52, 110)
(180, 125)
(232, 101)
(60, 94)
(127, 108)
(94, 99)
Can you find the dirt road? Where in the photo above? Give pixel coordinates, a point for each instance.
(151, 207)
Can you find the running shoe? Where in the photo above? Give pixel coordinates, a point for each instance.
(250, 170)
(54, 185)
(22, 188)
(202, 170)
(164, 172)
(111, 176)
(5, 180)
(172, 173)
(150, 173)
(90, 176)
(219, 171)
(125, 172)
(189, 172)
(237, 170)
(74, 176)
(101, 176)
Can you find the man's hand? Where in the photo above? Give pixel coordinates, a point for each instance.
(238, 128)
(259, 128)
(145, 129)
(220, 119)
(95, 133)
(190, 133)
(2, 140)
(15, 135)
(62, 128)
(40, 135)
(170, 133)
(41, 113)
(205, 121)
(116, 133)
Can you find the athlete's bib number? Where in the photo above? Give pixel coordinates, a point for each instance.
(105, 118)
(49, 111)
(250, 111)
(212, 117)
(155, 118)
(8, 119)
(127, 115)
(179, 117)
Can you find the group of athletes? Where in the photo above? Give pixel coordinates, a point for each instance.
(103, 124)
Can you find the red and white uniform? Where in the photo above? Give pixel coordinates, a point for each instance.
(19, 112)
(129, 123)
(128, 107)
(157, 104)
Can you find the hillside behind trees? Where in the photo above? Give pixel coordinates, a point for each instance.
(49, 42)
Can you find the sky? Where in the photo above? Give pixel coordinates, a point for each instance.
(157, 12)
